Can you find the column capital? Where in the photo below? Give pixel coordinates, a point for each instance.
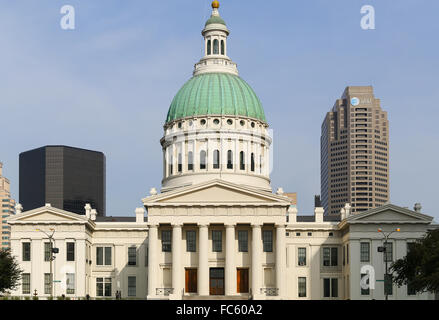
(203, 225)
(256, 225)
(153, 225)
(230, 225)
(177, 225)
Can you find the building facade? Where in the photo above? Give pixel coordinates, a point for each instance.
(65, 177)
(216, 229)
(354, 153)
(7, 209)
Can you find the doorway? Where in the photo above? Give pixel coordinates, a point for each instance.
(216, 281)
(191, 280)
(242, 280)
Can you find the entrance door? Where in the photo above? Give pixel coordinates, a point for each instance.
(242, 278)
(216, 281)
(191, 280)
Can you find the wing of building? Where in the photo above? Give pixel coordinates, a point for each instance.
(216, 229)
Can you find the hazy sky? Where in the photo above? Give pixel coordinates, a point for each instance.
(107, 85)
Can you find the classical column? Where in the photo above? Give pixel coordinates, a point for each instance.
(230, 271)
(152, 259)
(256, 259)
(203, 267)
(177, 268)
(280, 260)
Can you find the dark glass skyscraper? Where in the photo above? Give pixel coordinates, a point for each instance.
(65, 177)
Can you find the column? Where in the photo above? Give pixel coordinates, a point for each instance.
(230, 270)
(280, 260)
(177, 268)
(203, 267)
(256, 259)
(152, 259)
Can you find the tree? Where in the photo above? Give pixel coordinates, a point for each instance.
(10, 273)
(420, 267)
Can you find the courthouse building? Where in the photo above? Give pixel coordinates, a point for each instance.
(216, 228)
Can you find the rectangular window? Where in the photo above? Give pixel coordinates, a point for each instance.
(70, 283)
(326, 256)
(365, 251)
(388, 255)
(26, 251)
(70, 251)
(302, 287)
(47, 248)
(301, 256)
(243, 240)
(365, 292)
(103, 287)
(191, 241)
(108, 256)
(47, 282)
(132, 256)
(103, 256)
(132, 287)
(326, 287)
(330, 257)
(334, 257)
(267, 238)
(166, 240)
(410, 290)
(334, 287)
(25, 283)
(216, 241)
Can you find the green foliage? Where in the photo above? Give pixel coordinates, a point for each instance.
(67, 298)
(60, 298)
(16, 298)
(420, 267)
(27, 298)
(50, 298)
(35, 298)
(5, 298)
(10, 273)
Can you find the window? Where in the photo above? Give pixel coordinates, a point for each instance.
(203, 159)
(190, 160)
(132, 286)
(388, 254)
(216, 241)
(166, 240)
(222, 47)
(243, 241)
(171, 160)
(347, 254)
(215, 46)
(330, 257)
(70, 251)
(47, 249)
(103, 256)
(26, 251)
(47, 282)
(103, 287)
(180, 164)
(410, 289)
(70, 282)
(229, 159)
(25, 283)
(301, 253)
(132, 256)
(330, 287)
(267, 237)
(191, 241)
(216, 159)
(302, 287)
(241, 161)
(252, 162)
(209, 47)
(365, 292)
(365, 251)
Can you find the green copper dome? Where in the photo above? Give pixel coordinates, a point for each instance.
(215, 94)
(215, 19)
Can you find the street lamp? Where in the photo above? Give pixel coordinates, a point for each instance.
(51, 258)
(387, 280)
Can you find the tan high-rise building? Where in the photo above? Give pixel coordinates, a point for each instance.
(354, 153)
(7, 208)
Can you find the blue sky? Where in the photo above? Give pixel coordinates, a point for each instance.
(107, 85)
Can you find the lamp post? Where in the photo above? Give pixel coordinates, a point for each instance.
(51, 258)
(384, 251)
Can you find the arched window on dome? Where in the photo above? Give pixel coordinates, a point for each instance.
(203, 159)
(216, 159)
(215, 46)
(190, 161)
(241, 160)
(252, 162)
(229, 159)
(209, 47)
(170, 165)
(180, 164)
(222, 47)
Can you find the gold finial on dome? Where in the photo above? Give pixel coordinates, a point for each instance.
(215, 4)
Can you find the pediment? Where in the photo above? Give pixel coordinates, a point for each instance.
(390, 213)
(47, 214)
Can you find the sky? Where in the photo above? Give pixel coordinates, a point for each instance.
(107, 84)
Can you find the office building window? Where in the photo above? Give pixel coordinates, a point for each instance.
(216, 241)
(103, 256)
(388, 255)
(267, 237)
(365, 292)
(103, 287)
(330, 257)
(302, 287)
(47, 282)
(70, 282)
(26, 251)
(191, 241)
(330, 287)
(166, 240)
(132, 256)
(132, 287)
(47, 248)
(25, 283)
(301, 256)
(70, 251)
(365, 251)
(243, 240)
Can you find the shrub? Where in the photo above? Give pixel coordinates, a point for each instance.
(16, 298)
(5, 298)
(50, 298)
(59, 298)
(35, 298)
(27, 298)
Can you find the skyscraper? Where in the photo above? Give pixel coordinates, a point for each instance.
(354, 153)
(7, 208)
(65, 177)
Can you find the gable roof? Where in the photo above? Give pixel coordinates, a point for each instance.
(48, 214)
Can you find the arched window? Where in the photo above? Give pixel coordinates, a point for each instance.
(170, 165)
(229, 159)
(209, 47)
(190, 160)
(215, 46)
(252, 164)
(203, 159)
(216, 159)
(180, 164)
(241, 161)
(260, 164)
(222, 47)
